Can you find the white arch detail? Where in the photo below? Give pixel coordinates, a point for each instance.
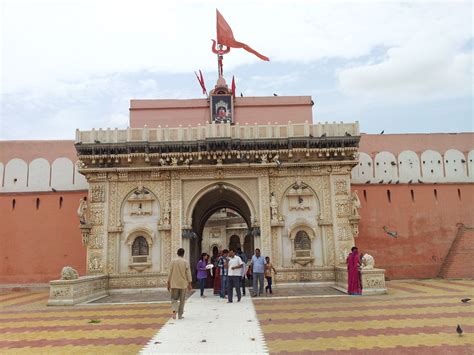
(209, 187)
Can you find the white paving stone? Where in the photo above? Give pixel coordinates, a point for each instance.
(211, 326)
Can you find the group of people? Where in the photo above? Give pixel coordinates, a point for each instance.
(231, 270)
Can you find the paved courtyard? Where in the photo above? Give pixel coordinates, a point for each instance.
(415, 317)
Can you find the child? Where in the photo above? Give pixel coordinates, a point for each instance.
(268, 274)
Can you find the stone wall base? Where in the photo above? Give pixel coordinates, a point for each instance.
(83, 289)
(373, 281)
(138, 280)
(304, 274)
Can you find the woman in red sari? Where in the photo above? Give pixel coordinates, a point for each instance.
(353, 273)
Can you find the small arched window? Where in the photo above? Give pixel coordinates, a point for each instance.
(302, 244)
(140, 247)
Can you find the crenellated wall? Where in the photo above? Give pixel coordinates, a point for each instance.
(429, 166)
(420, 186)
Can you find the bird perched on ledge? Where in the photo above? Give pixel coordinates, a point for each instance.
(459, 330)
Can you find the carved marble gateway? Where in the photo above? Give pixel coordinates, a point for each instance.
(153, 189)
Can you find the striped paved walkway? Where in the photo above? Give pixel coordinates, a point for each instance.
(416, 317)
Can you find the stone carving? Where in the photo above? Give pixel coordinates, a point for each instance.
(162, 162)
(355, 204)
(111, 251)
(343, 255)
(343, 233)
(330, 246)
(341, 186)
(112, 203)
(299, 186)
(355, 229)
(141, 202)
(97, 193)
(374, 283)
(174, 161)
(274, 206)
(95, 263)
(166, 214)
(343, 209)
(367, 262)
(97, 217)
(264, 158)
(69, 273)
(82, 211)
(96, 239)
(61, 292)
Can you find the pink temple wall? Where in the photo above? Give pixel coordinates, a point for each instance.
(38, 238)
(426, 225)
(261, 110)
(37, 242)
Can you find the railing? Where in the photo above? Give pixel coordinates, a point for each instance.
(221, 130)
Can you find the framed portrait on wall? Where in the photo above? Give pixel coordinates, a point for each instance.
(222, 108)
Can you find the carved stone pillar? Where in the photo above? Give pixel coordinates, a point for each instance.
(176, 215)
(265, 218)
(112, 249)
(166, 254)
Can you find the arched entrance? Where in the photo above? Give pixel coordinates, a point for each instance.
(234, 242)
(219, 198)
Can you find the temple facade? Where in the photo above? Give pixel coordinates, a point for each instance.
(152, 191)
(252, 172)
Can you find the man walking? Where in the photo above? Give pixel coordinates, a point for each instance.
(258, 269)
(179, 279)
(235, 265)
(222, 265)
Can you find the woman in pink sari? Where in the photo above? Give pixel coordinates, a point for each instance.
(353, 273)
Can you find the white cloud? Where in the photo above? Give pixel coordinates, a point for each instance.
(44, 41)
(415, 71)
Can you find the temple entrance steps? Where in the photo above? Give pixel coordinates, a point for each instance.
(459, 263)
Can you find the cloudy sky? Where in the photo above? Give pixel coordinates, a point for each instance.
(394, 66)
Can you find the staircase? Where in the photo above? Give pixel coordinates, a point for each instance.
(459, 263)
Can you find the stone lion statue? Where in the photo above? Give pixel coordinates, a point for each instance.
(367, 262)
(69, 273)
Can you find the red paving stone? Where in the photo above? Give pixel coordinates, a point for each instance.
(73, 342)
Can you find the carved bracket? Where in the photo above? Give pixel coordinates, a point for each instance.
(86, 232)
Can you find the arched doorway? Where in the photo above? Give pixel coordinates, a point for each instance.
(225, 202)
(248, 245)
(234, 242)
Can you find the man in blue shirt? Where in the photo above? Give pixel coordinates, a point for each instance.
(222, 265)
(258, 269)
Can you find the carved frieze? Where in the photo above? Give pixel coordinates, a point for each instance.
(96, 238)
(97, 216)
(96, 263)
(343, 209)
(344, 232)
(341, 186)
(97, 193)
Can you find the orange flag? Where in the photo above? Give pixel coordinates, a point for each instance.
(226, 37)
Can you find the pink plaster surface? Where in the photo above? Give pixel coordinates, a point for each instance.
(30, 150)
(261, 110)
(396, 143)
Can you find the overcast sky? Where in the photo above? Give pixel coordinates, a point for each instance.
(402, 67)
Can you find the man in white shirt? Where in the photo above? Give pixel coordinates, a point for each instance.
(235, 265)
